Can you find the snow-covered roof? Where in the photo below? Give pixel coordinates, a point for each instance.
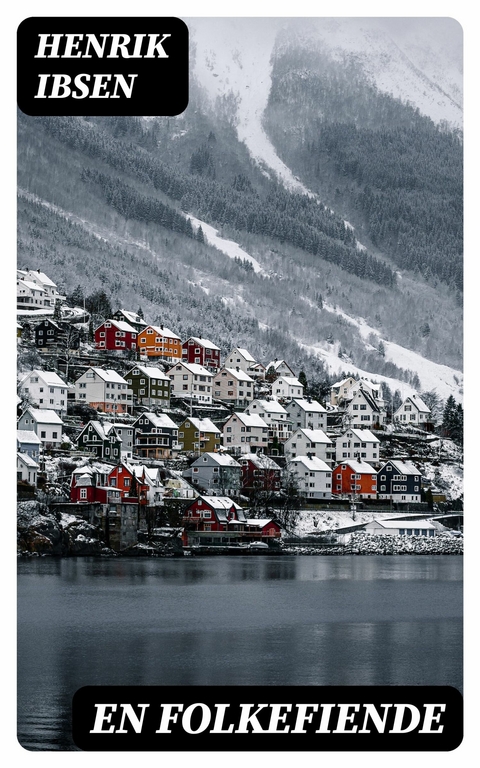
(222, 459)
(28, 436)
(314, 435)
(107, 374)
(150, 371)
(309, 405)
(269, 406)
(103, 430)
(221, 502)
(147, 475)
(195, 368)
(249, 420)
(312, 463)
(260, 460)
(158, 420)
(240, 375)
(50, 378)
(41, 276)
(364, 435)
(32, 286)
(292, 381)
(425, 524)
(404, 467)
(359, 467)
(349, 380)
(203, 425)
(44, 416)
(133, 317)
(202, 342)
(418, 403)
(162, 331)
(275, 364)
(27, 460)
(122, 325)
(245, 354)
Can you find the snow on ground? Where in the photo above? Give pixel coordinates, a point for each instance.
(311, 521)
(228, 247)
(433, 376)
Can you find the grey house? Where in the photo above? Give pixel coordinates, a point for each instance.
(217, 473)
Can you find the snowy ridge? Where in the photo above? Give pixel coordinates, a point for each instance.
(414, 60)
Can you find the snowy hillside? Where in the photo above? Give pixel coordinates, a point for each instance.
(415, 60)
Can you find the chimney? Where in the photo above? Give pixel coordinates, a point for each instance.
(161, 327)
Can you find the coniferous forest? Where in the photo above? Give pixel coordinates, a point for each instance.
(107, 202)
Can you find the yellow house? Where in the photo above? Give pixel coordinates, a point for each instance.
(199, 436)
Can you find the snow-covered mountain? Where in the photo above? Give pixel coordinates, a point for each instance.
(288, 262)
(418, 61)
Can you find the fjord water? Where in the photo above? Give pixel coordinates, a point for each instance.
(241, 620)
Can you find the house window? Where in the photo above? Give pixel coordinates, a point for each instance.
(83, 493)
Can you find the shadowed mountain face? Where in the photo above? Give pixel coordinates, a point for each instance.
(346, 200)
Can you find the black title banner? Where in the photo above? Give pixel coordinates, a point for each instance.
(102, 66)
(272, 718)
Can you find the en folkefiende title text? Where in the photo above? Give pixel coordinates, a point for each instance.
(88, 46)
(299, 718)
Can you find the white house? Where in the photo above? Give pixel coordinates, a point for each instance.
(278, 368)
(44, 283)
(400, 528)
(241, 358)
(287, 388)
(358, 443)
(192, 381)
(46, 424)
(314, 477)
(413, 411)
(275, 415)
(105, 390)
(364, 412)
(45, 389)
(30, 295)
(233, 386)
(27, 468)
(345, 390)
(243, 431)
(309, 441)
(307, 414)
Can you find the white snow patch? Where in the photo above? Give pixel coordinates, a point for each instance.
(228, 247)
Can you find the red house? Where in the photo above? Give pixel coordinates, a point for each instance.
(355, 478)
(201, 351)
(88, 486)
(115, 334)
(259, 473)
(121, 478)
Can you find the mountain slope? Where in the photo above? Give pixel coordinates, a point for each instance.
(118, 203)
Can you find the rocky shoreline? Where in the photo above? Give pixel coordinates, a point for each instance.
(43, 532)
(367, 544)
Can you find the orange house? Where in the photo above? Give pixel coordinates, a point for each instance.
(355, 478)
(159, 342)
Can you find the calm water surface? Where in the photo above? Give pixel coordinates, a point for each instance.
(230, 621)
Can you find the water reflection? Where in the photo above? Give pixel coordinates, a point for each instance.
(230, 621)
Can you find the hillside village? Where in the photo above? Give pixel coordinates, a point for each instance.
(138, 431)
